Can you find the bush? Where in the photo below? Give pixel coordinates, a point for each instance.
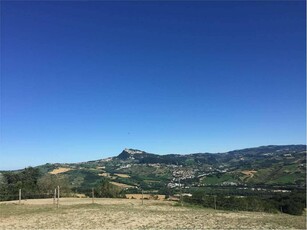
(292, 204)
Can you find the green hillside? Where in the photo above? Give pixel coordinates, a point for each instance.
(266, 166)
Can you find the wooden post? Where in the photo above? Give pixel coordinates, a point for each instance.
(20, 196)
(214, 202)
(92, 195)
(54, 196)
(142, 197)
(180, 192)
(58, 203)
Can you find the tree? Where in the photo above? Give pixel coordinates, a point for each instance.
(25, 180)
(49, 182)
(106, 189)
(3, 187)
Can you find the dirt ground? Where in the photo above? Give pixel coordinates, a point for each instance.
(60, 170)
(80, 213)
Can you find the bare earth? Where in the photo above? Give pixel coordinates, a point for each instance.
(122, 175)
(80, 213)
(59, 170)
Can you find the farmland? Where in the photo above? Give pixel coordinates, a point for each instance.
(131, 214)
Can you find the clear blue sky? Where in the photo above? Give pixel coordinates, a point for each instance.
(83, 80)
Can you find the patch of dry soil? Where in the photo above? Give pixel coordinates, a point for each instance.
(59, 170)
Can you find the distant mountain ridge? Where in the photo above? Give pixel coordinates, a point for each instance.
(272, 165)
(209, 157)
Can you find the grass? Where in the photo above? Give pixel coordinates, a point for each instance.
(130, 214)
(8, 210)
(214, 179)
(284, 179)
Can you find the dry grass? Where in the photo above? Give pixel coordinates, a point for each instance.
(122, 175)
(145, 196)
(249, 172)
(79, 195)
(100, 167)
(104, 174)
(59, 170)
(130, 214)
(121, 185)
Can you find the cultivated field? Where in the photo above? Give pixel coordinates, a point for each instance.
(121, 185)
(75, 213)
(59, 170)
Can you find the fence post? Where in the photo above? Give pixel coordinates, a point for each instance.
(142, 197)
(214, 202)
(20, 196)
(92, 195)
(54, 196)
(180, 193)
(58, 203)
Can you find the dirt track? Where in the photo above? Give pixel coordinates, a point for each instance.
(130, 214)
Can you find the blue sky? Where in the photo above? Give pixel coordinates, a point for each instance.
(83, 80)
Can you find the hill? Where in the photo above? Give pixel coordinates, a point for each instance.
(266, 166)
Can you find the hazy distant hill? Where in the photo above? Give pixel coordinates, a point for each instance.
(265, 165)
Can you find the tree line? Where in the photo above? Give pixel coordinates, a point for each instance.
(293, 203)
(32, 183)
